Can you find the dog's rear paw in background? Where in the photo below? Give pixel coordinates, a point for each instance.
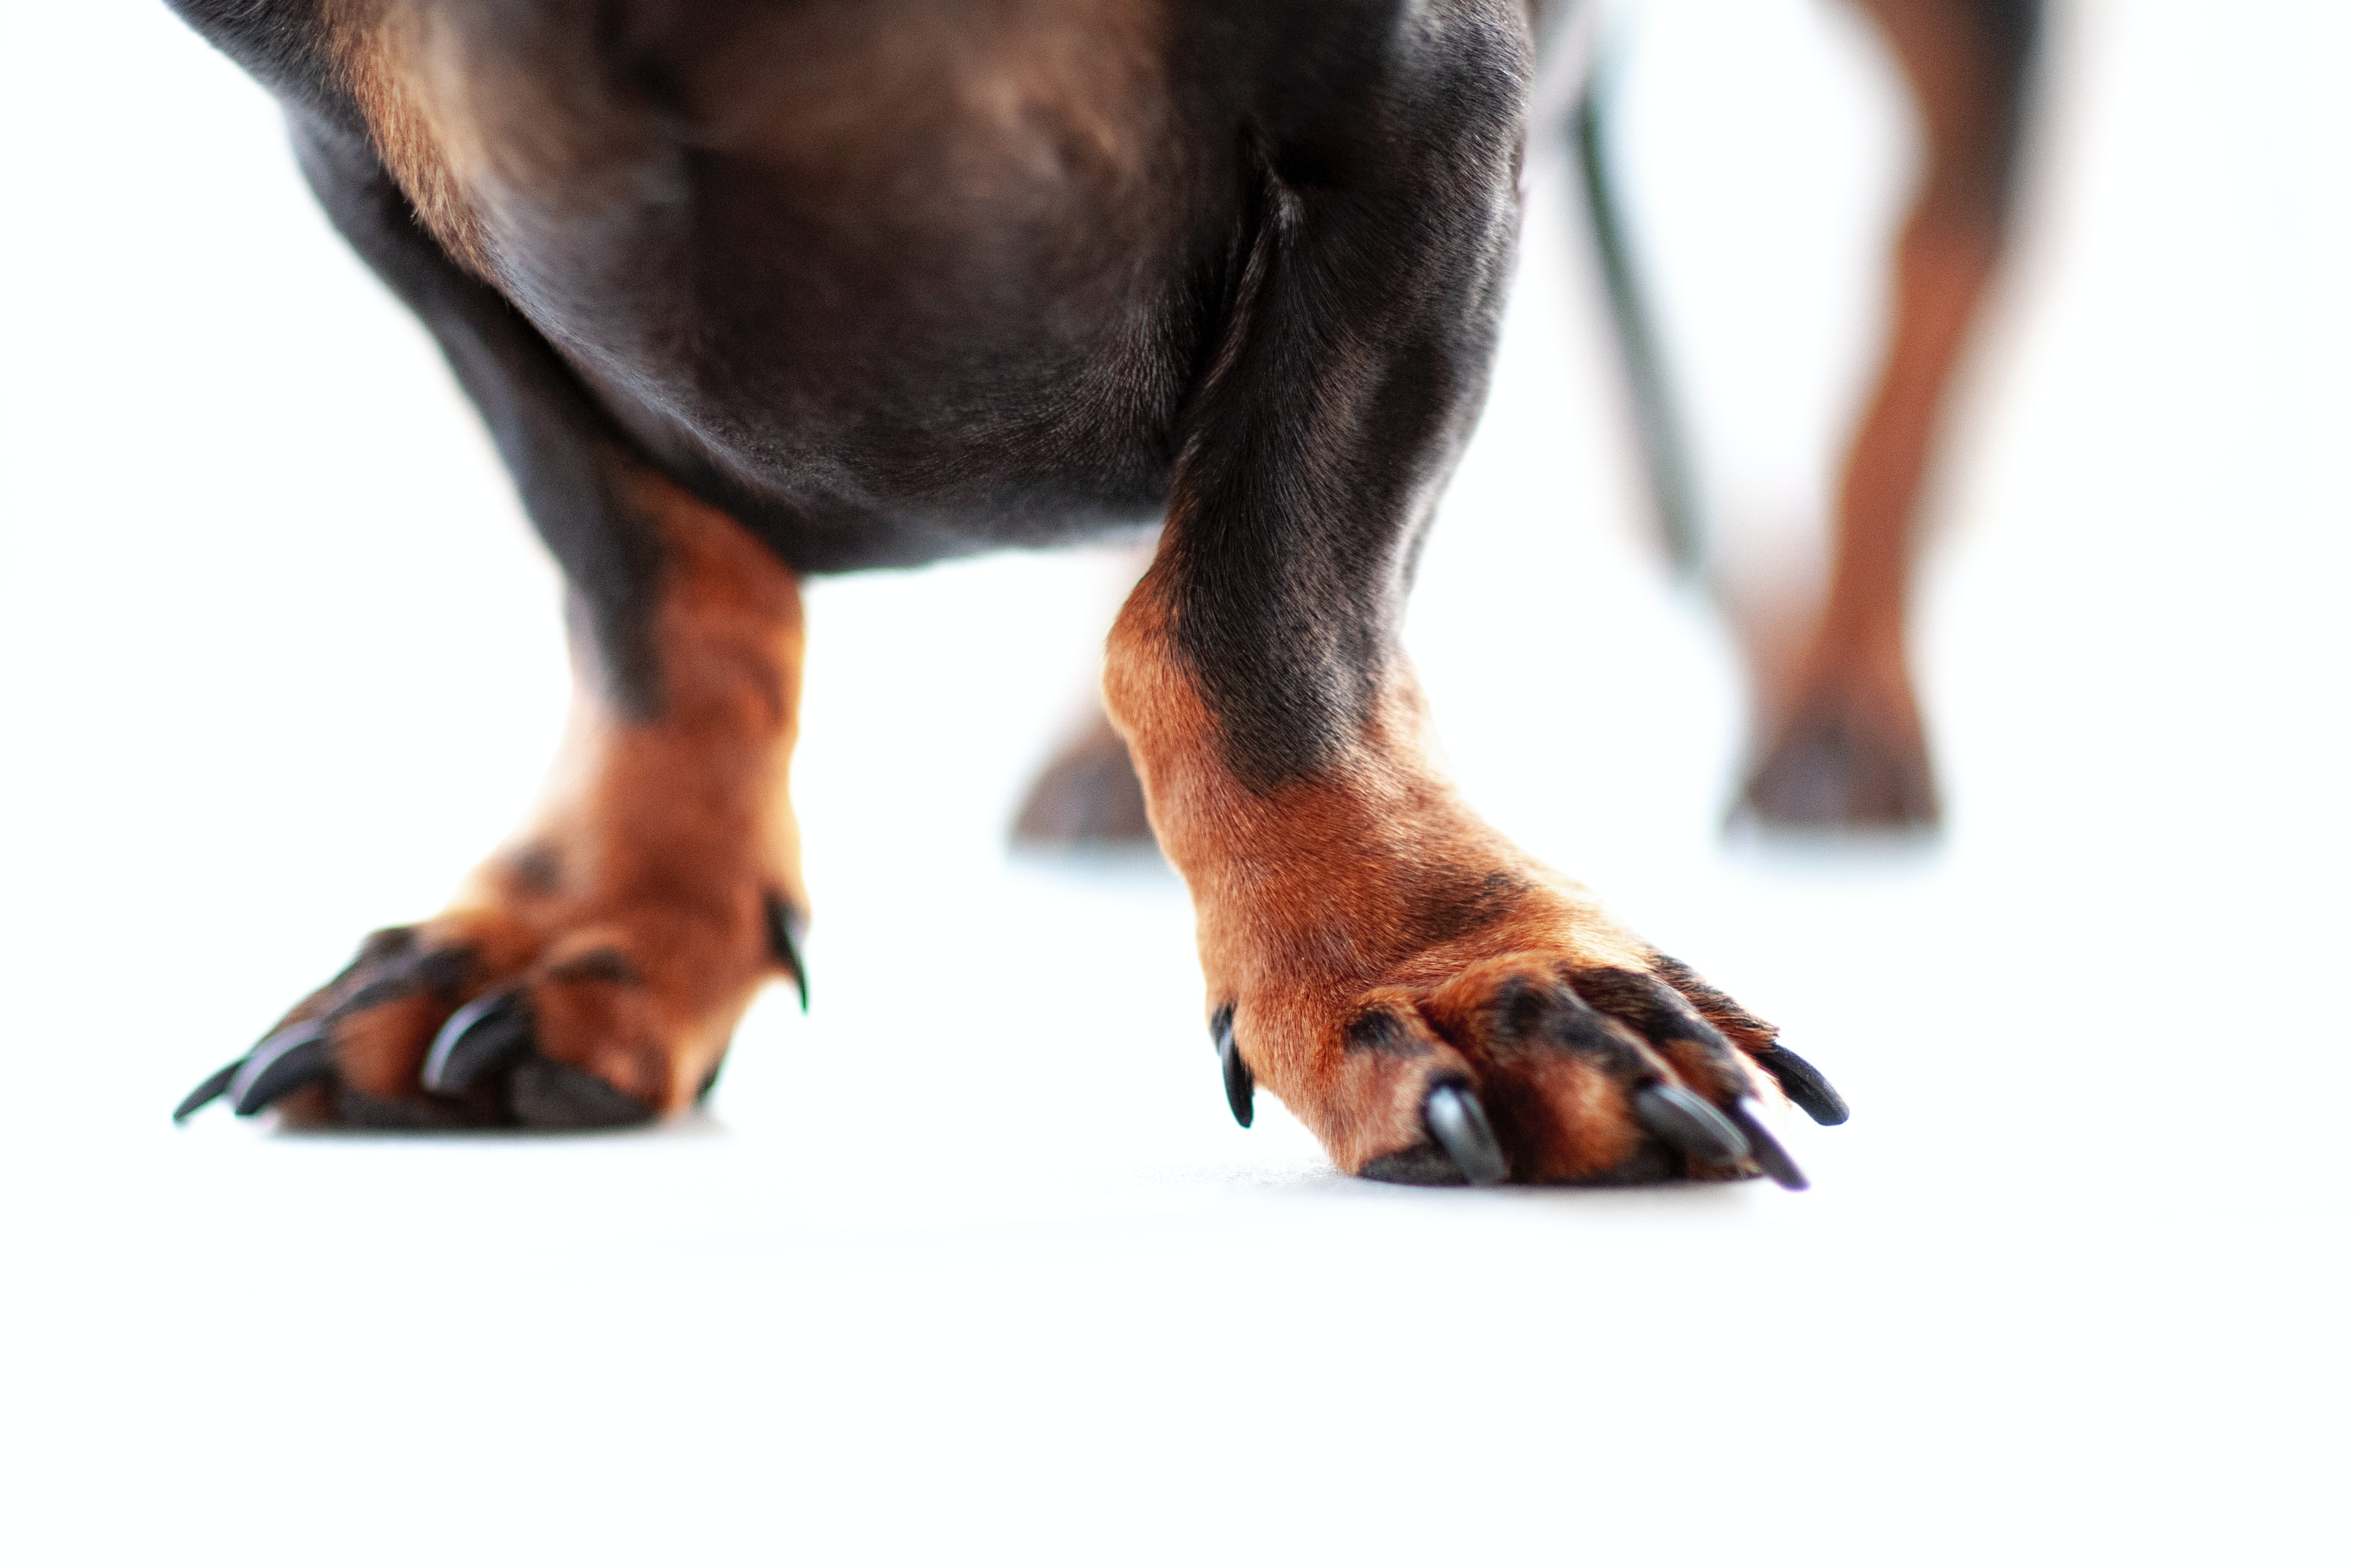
(1088, 797)
(1851, 755)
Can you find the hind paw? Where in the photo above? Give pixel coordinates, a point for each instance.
(1851, 754)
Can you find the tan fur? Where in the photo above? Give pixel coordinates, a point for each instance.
(1369, 888)
(1944, 256)
(385, 50)
(1855, 661)
(631, 911)
(633, 907)
(991, 91)
(1006, 106)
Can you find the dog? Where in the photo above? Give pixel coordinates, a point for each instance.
(1838, 739)
(752, 290)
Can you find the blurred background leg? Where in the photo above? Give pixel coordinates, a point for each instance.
(1817, 609)
(1087, 796)
(1847, 749)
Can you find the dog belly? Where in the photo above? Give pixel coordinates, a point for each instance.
(892, 281)
(860, 415)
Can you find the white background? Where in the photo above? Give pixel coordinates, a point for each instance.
(970, 1262)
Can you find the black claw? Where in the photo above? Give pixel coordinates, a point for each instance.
(549, 1094)
(1237, 1079)
(1804, 1084)
(787, 926)
(297, 1055)
(206, 1093)
(1775, 1161)
(1688, 1121)
(1456, 1120)
(490, 1033)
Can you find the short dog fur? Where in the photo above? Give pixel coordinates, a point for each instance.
(750, 290)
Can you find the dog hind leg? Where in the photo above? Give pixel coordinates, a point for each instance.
(1087, 796)
(1847, 748)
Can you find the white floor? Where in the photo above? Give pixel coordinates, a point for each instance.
(971, 1264)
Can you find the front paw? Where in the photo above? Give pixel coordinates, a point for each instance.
(1540, 1065)
(491, 1018)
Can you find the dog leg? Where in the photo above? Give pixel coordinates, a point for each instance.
(1087, 795)
(1847, 748)
(1435, 1005)
(591, 972)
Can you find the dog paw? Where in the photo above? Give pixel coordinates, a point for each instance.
(521, 1016)
(1087, 796)
(1434, 1004)
(1851, 754)
(591, 974)
(1553, 1064)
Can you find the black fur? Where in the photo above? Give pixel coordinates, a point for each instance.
(1421, 1165)
(539, 869)
(563, 452)
(1718, 1006)
(602, 965)
(283, 45)
(1352, 364)
(1380, 1030)
(1280, 333)
(2011, 34)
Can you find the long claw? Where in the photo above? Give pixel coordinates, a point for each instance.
(1456, 1119)
(491, 1032)
(1688, 1121)
(1775, 1161)
(1237, 1079)
(206, 1093)
(295, 1055)
(1804, 1084)
(787, 924)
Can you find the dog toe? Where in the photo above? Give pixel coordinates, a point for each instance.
(555, 1097)
(1538, 1067)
